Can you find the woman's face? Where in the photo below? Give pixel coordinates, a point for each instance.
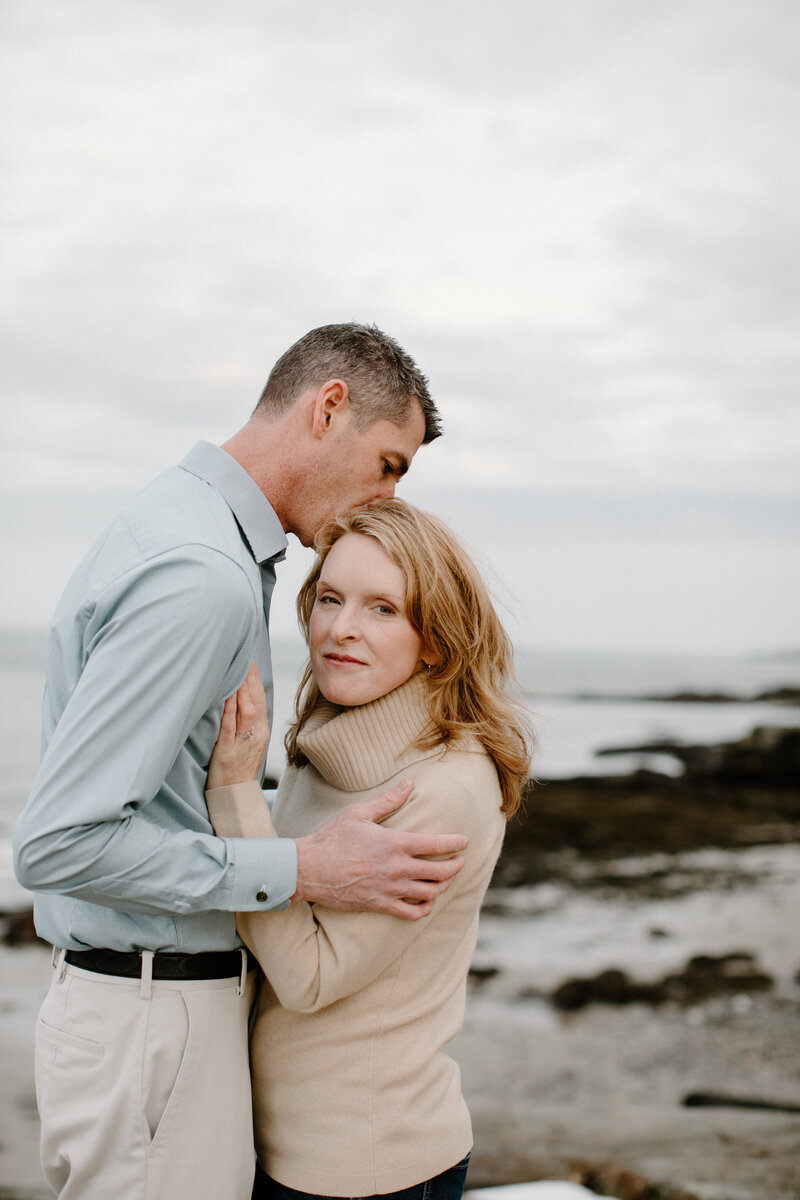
(361, 642)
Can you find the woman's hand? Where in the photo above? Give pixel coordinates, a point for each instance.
(243, 735)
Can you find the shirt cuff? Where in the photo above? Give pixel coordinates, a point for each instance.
(265, 873)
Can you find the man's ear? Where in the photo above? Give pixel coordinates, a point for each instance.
(330, 408)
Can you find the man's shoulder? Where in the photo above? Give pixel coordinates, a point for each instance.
(177, 521)
(178, 509)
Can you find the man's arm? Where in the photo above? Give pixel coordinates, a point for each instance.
(164, 645)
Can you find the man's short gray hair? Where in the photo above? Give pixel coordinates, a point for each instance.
(383, 381)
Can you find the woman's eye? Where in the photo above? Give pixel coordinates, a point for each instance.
(327, 600)
(385, 608)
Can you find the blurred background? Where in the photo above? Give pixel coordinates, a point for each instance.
(579, 216)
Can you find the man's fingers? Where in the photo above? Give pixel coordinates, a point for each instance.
(383, 806)
(434, 870)
(420, 891)
(433, 845)
(409, 912)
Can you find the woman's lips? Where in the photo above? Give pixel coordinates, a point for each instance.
(343, 659)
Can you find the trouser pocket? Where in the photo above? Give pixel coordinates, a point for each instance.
(166, 1046)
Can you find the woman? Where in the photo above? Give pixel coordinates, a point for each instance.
(353, 1095)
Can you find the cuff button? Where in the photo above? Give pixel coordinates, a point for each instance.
(262, 896)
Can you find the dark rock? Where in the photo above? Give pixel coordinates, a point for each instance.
(479, 975)
(706, 976)
(703, 978)
(609, 987)
(627, 1185)
(610, 817)
(17, 928)
(783, 695)
(769, 754)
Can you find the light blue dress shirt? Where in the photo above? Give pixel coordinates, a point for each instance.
(158, 625)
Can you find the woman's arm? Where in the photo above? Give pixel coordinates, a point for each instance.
(352, 862)
(314, 956)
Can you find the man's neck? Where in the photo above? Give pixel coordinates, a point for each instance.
(271, 451)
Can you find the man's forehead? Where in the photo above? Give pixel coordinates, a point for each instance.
(412, 431)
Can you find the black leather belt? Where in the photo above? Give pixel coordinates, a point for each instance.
(214, 964)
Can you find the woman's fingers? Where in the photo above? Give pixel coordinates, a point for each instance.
(245, 709)
(255, 691)
(227, 729)
(243, 737)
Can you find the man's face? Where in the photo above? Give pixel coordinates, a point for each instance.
(355, 468)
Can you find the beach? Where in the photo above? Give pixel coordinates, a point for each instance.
(638, 948)
(593, 1095)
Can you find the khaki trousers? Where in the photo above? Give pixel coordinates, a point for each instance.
(144, 1088)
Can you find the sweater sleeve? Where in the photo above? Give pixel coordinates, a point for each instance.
(314, 956)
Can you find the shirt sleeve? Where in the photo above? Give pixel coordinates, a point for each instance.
(163, 646)
(314, 956)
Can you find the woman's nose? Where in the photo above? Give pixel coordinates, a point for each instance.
(345, 624)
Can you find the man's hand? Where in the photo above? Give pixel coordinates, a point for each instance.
(354, 864)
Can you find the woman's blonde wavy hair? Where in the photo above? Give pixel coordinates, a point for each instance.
(448, 604)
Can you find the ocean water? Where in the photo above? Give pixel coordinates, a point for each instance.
(580, 702)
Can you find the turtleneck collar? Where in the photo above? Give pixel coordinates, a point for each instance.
(359, 748)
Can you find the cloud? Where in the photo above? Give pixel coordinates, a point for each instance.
(579, 217)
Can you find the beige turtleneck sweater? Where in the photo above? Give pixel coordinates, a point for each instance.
(352, 1092)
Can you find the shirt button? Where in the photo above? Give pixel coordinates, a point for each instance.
(262, 896)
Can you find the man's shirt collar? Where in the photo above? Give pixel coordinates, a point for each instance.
(254, 513)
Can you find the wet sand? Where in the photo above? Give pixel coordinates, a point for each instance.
(594, 1093)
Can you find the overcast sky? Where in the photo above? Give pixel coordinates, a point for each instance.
(582, 217)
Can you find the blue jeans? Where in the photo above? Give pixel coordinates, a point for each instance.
(447, 1186)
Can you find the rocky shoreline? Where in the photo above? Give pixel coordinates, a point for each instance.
(633, 1014)
(671, 1072)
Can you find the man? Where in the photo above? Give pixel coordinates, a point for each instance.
(142, 1077)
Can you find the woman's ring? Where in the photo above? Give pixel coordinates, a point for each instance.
(248, 733)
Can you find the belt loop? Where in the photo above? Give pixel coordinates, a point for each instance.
(147, 974)
(59, 963)
(243, 976)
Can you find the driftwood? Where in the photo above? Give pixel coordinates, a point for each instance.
(719, 1100)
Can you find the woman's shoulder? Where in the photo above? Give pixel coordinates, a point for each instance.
(461, 775)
